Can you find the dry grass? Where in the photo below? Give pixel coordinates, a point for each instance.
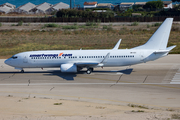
(14, 41)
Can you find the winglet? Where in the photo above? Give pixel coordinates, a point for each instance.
(101, 64)
(105, 58)
(117, 45)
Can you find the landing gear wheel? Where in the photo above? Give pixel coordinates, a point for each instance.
(89, 70)
(22, 71)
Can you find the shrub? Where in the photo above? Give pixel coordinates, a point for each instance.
(20, 23)
(154, 4)
(51, 25)
(70, 27)
(89, 23)
(105, 27)
(148, 26)
(175, 116)
(73, 13)
(109, 28)
(57, 103)
(175, 28)
(135, 24)
(13, 25)
(139, 106)
(156, 24)
(137, 111)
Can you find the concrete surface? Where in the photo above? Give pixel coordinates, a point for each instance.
(147, 84)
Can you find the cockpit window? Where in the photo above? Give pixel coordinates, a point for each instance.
(14, 57)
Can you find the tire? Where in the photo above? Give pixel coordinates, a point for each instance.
(89, 70)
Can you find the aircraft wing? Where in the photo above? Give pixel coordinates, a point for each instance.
(87, 64)
(93, 64)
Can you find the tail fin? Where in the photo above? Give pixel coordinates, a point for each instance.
(160, 38)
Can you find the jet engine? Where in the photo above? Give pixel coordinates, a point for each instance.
(68, 68)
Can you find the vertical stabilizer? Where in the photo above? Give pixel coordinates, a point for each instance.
(160, 38)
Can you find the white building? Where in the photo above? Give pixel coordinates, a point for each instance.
(124, 6)
(167, 4)
(26, 8)
(8, 5)
(6, 8)
(57, 7)
(60, 5)
(42, 8)
(90, 5)
(140, 3)
(104, 5)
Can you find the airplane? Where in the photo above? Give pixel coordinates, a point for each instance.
(75, 60)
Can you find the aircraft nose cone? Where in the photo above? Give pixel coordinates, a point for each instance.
(7, 62)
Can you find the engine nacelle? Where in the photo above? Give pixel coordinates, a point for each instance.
(68, 68)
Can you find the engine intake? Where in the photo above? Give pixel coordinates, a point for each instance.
(68, 68)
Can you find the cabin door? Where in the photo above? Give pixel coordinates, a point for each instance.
(25, 59)
(141, 56)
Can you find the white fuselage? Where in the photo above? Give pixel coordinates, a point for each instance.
(54, 58)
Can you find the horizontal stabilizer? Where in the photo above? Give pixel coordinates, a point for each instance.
(170, 48)
(161, 51)
(165, 51)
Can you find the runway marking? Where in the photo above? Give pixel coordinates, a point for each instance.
(176, 78)
(44, 84)
(102, 79)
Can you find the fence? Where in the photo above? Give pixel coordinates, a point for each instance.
(115, 19)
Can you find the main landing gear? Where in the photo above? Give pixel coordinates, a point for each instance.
(22, 71)
(89, 70)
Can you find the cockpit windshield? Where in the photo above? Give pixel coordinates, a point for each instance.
(14, 57)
